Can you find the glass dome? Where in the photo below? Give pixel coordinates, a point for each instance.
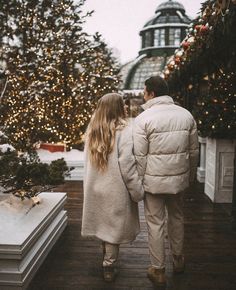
(169, 5)
(143, 69)
(160, 37)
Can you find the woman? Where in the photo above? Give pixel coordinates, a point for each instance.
(112, 187)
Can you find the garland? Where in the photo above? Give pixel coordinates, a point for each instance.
(201, 73)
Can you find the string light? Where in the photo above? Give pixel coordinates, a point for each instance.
(53, 101)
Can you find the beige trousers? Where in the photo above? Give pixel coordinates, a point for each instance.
(110, 254)
(159, 208)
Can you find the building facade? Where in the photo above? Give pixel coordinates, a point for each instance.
(160, 37)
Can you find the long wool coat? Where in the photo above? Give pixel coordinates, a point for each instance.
(110, 208)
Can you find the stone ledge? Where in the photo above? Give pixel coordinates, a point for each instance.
(26, 242)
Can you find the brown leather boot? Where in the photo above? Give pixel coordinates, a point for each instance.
(178, 264)
(157, 276)
(109, 274)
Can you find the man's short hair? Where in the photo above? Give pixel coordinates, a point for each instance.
(157, 85)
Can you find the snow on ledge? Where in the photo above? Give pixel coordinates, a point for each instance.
(72, 156)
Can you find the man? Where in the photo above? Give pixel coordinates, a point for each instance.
(166, 150)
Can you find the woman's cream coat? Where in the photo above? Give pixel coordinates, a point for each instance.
(165, 146)
(110, 208)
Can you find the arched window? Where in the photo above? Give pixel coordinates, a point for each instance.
(159, 37)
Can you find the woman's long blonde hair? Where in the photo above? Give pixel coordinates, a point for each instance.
(107, 118)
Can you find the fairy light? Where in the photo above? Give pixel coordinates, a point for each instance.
(41, 102)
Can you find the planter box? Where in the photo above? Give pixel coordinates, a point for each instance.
(219, 170)
(27, 236)
(53, 147)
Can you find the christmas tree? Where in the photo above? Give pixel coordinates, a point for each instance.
(56, 72)
(218, 107)
(99, 75)
(18, 43)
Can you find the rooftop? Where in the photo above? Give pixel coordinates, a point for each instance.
(168, 5)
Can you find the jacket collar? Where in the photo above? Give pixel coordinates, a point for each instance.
(161, 100)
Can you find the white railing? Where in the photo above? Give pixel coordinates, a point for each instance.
(201, 171)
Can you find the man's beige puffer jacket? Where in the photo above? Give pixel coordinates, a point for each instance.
(165, 146)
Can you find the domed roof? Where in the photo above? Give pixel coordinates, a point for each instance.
(169, 12)
(170, 5)
(161, 35)
(141, 69)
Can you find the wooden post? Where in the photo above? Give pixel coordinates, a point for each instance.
(234, 194)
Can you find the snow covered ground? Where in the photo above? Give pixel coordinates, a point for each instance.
(73, 155)
(73, 158)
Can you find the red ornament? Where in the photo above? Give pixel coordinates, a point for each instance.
(198, 27)
(177, 60)
(185, 45)
(204, 28)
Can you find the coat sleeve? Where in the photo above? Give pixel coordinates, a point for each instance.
(140, 146)
(128, 166)
(193, 151)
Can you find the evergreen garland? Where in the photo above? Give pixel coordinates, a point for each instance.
(202, 73)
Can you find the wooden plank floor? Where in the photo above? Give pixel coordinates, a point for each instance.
(210, 250)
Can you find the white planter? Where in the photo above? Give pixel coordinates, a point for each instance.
(219, 169)
(201, 170)
(26, 237)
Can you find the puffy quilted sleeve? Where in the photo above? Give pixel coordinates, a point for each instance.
(193, 151)
(140, 146)
(128, 166)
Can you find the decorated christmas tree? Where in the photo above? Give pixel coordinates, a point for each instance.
(216, 111)
(56, 72)
(18, 45)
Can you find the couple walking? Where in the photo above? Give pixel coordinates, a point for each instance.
(152, 158)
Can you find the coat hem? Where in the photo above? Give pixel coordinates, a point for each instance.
(98, 237)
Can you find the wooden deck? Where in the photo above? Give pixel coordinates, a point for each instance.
(210, 250)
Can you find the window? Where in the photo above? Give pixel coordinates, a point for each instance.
(174, 36)
(148, 39)
(159, 37)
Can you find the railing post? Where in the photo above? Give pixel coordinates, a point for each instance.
(234, 194)
(201, 170)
